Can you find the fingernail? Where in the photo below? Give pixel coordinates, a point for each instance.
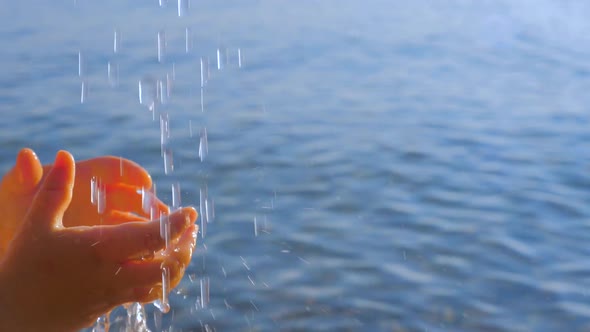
(61, 158)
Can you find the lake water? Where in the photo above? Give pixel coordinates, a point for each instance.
(411, 165)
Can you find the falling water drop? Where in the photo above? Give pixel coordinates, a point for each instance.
(219, 59)
(161, 45)
(183, 7)
(93, 190)
(204, 292)
(204, 71)
(81, 64)
(83, 92)
(203, 215)
(239, 58)
(148, 92)
(255, 227)
(168, 161)
(176, 202)
(164, 132)
(188, 39)
(169, 82)
(101, 201)
(113, 73)
(203, 145)
(116, 41)
(162, 304)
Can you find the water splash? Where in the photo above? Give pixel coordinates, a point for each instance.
(136, 318)
(102, 323)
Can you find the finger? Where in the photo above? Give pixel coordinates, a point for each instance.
(134, 239)
(121, 217)
(141, 281)
(128, 198)
(137, 294)
(180, 258)
(110, 169)
(55, 193)
(26, 173)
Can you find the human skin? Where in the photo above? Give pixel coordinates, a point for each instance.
(122, 178)
(61, 278)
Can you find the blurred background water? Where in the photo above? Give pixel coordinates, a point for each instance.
(411, 165)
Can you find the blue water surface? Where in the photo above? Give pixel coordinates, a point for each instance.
(411, 165)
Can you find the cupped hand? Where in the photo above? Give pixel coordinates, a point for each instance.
(63, 278)
(123, 181)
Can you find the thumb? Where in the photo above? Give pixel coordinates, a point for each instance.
(54, 195)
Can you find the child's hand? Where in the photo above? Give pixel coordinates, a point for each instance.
(122, 178)
(57, 278)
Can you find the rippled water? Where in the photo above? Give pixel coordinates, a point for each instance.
(411, 166)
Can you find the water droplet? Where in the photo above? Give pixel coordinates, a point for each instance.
(168, 161)
(147, 200)
(113, 73)
(205, 292)
(202, 211)
(162, 91)
(93, 190)
(169, 79)
(255, 227)
(165, 229)
(98, 194)
(204, 71)
(116, 41)
(188, 39)
(148, 92)
(183, 7)
(83, 92)
(102, 323)
(219, 59)
(239, 58)
(203, 145)
(176, 202)
(101, 202)
(136, 318)
(210, 210)
(162, 304)
(161, 45)
(164, 132)
(81, 64)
